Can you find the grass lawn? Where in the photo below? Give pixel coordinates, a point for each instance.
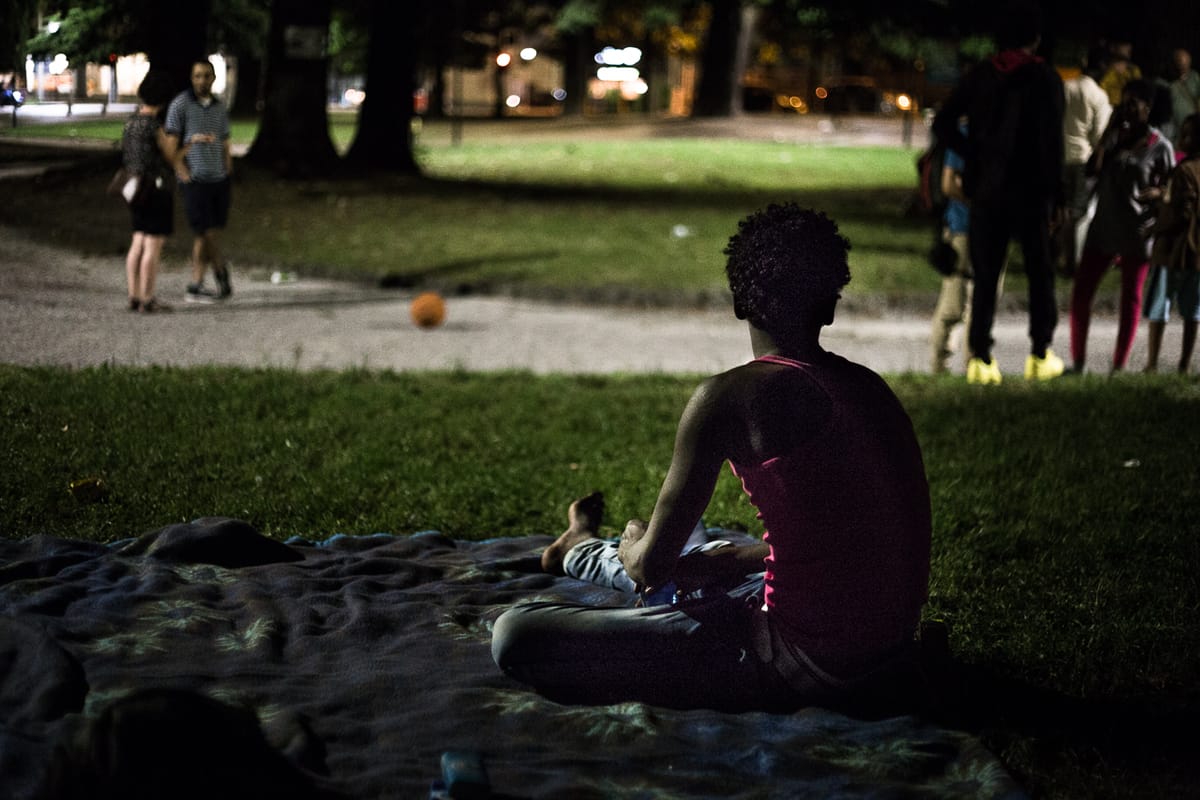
(1064, 557)
(1065, 560)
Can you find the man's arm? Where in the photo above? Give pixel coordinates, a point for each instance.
(174, 148)
(651, 553)
(176, 156)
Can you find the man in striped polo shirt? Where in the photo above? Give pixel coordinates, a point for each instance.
(197, 129)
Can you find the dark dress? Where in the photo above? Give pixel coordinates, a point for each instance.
(153, 208)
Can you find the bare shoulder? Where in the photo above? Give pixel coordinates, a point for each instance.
(758, 410)
(732, 387)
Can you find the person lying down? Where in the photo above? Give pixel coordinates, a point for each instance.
(824, 610)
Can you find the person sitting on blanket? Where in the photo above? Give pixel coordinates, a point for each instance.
(828, 456)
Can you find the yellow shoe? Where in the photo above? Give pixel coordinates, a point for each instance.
(983, 372)
(1043, 369)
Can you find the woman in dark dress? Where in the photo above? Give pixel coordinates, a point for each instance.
(151, 204)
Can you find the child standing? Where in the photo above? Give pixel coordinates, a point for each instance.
(1132, 163)
(1176, 253)
(954, 299)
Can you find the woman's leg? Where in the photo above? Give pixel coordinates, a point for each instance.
(133, 262)
(1092, 265)
(1133, 277)
(151, 261)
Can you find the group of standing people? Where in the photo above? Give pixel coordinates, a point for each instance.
(1082, 183)
(185, 138)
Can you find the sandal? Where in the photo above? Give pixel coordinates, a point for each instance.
(134, 304)
(152, 305)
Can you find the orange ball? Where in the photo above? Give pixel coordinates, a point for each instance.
(428, 310)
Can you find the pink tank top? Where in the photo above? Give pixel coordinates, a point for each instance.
(848, 523)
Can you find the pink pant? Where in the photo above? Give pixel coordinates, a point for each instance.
(1090, 272)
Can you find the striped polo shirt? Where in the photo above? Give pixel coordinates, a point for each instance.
(187, 116)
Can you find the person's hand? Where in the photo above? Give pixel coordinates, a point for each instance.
(1150, 195)
(635, 529)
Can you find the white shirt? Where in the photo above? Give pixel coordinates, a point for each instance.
(1084, 118)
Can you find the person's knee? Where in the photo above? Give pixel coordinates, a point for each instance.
(509, 639)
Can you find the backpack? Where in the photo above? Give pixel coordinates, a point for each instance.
(930, 199)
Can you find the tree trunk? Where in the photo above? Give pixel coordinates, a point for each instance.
(293, 135)
(579, 50)
(248, 100)
(180, 38)
(718, 91)
(384, 138)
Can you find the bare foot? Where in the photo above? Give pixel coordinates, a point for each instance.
(583, 518)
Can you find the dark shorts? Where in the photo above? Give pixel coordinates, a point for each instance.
(206, 205)
(155, 216)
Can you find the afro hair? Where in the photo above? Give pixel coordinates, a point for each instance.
(783, 261)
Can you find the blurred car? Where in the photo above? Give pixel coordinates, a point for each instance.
(762, 98)
(860, 94)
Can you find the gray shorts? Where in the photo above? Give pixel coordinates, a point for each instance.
(1167, 287)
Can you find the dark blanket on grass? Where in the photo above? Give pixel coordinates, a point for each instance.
(366, 658)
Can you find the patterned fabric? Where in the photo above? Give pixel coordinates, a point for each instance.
(187, 116)
(1122, 222)
(365, 658)
(139, 147)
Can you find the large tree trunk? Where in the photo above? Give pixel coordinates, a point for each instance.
(718, 93)
(180, 38)
(247, 102)
(384, 137)
(293, 136)
(579, 50)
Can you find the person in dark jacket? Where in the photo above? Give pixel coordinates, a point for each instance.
(1013, 160)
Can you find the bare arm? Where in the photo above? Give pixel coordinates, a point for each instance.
(167, 145)
(651, 553)
(952, 185)
(176, 155)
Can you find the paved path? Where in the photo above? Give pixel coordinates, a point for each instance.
(57, 307)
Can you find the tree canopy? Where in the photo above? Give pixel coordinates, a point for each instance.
(393, 43)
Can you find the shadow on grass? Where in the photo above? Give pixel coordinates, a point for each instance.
(1133, 742)
(852, 203)
(441, 273)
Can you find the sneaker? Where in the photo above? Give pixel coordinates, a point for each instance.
(1043, 369)
(224, 287)
(983, 372)
(197, 293)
